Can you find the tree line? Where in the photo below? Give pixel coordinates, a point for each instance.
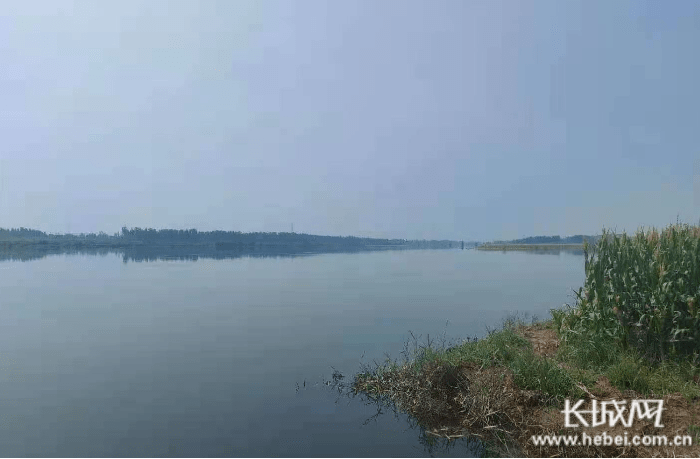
(219, 239)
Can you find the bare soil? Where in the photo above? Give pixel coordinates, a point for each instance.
(680, 417)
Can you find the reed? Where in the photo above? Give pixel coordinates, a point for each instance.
(643, 292)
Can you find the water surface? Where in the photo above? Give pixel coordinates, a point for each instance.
(228, 357)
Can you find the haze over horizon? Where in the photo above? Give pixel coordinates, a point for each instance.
(479, 120)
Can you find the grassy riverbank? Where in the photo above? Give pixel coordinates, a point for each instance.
(631, 335)
(511, 385)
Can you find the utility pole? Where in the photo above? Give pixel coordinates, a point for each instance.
(292, 227)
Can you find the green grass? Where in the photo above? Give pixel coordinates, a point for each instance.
(500, 348)
(536, 373)
(626, 368)
(505, 348)
(579, 360)
(694, 431)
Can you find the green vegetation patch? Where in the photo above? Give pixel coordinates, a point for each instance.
(642, 292)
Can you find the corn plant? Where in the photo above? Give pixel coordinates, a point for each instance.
(642, 291)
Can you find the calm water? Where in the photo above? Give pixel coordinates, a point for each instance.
(229, 357)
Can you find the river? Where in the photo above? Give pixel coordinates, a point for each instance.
(102, 356)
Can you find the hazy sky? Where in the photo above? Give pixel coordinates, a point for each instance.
(473, 120)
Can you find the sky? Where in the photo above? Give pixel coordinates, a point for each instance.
(434, 119)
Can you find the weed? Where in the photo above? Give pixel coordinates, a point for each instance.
(536, 373)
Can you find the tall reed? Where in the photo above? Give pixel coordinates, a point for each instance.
(643, 291)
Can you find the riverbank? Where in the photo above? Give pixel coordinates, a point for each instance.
(633, 334)
(511, 385)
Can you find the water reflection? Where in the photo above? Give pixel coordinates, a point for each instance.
(37, 252)
(193, 253)
(546, 251)
(165, 253)
(432, 446)
(149, 254)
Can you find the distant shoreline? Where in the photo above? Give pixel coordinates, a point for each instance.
(530, 246)
(26, 250)
(234, 246)
(215, 240)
